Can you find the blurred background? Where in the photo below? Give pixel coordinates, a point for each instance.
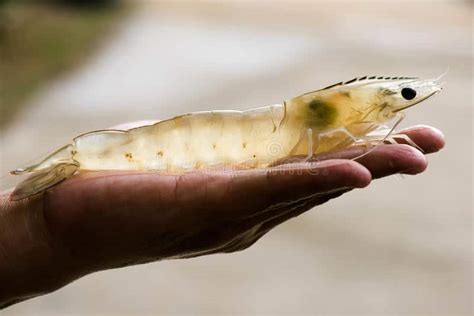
(401, 246)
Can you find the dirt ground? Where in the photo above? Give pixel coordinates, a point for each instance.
(401, 246)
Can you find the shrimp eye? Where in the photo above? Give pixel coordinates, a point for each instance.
(408, 93)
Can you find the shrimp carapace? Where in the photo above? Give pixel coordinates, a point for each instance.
(328, 119)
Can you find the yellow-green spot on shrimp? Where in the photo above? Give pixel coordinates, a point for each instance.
(321, 113)
(328, 119)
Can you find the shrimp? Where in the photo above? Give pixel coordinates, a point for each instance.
(324, 120)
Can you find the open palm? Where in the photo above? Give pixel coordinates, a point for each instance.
(102, 220)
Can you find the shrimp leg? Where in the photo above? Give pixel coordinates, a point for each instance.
(309, 133)
(339, 142)
(337, 130)
(385, 134)
(377, 139)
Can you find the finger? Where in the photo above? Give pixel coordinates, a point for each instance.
(289, 183)
(428, 138)
(387, 160)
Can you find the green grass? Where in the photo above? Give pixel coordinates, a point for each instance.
(39, 42)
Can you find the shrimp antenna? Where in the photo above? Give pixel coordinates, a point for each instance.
(434, 81)
(441, 76)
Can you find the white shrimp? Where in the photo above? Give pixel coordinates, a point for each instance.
(320, 121)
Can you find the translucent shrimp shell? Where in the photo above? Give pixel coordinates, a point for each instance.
(324, 120)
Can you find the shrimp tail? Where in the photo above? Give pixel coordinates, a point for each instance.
(43, 180)
(62, 155)
(50, 171)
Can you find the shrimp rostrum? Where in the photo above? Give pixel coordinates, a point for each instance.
(328, 119)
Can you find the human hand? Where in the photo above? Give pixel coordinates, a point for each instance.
(102, 220)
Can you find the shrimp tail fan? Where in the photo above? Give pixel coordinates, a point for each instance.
(50, 171)
(42, 180)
